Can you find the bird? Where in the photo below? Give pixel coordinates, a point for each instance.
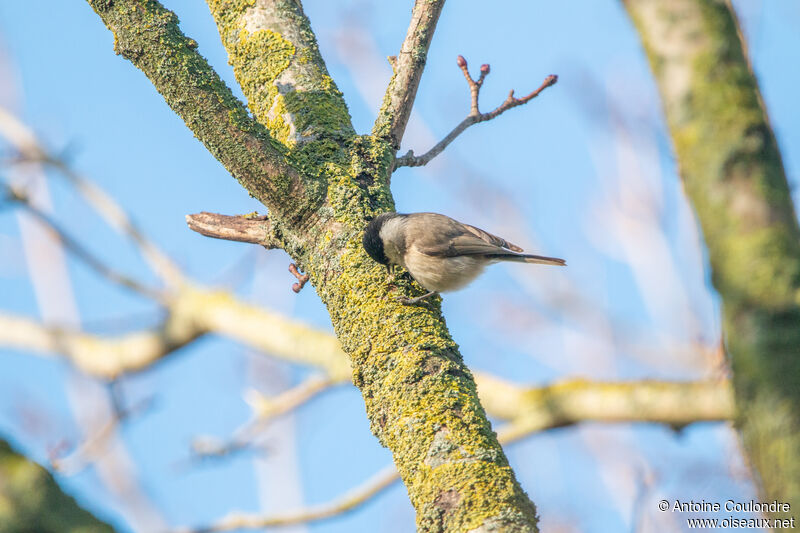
(441, 253)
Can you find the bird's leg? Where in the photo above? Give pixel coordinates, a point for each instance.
(413, 301)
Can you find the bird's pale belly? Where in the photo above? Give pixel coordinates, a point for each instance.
(443, 274)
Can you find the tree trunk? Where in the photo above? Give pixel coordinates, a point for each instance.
(733, 175)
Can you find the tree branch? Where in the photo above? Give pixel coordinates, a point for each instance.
(96, 444)
(475, 116)
(103, 357)
(266, 409)
(349, 501)
(240, 228)
(31, 150)
(408, 66)
(76, 248)
(148, 35)
(568, 402)
(276, 60)
(33, 501)
(731, 167)
(191, 312)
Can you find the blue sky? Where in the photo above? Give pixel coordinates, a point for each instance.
(583, 172)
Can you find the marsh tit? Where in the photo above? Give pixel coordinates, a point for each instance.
(442, 254)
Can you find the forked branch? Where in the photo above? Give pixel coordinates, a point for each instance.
(148, 35)
(475, 116)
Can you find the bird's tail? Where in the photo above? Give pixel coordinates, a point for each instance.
(530, 258)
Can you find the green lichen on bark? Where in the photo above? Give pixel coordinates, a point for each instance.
(30, 500)
(277, 63)
(733, 174)
(148, 35)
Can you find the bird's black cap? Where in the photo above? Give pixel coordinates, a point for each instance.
(373, 244)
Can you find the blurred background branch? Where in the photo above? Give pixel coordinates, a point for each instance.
(735, 179)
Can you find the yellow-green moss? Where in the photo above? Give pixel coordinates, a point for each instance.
(258, 59)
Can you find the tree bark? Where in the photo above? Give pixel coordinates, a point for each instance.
(321, 183)
(733, 174)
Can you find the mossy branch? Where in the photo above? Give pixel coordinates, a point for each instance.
(733, 174)
(408, 66)
(148, 35)
(31, 500)
(276, 60)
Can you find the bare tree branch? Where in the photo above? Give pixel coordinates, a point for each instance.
(676, 404)
(241, 228)
(349, 501)
(408, 66)
(191, 312)
(31, 150)
(475, 116)
(265, 411)
(531, 410)
(78, 250)
(103, 357)
(96, 444)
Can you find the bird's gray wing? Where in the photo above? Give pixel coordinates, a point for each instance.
(467, 243)
(452, 238)
(492, 239)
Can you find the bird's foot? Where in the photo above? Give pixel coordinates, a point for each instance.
(414, 301)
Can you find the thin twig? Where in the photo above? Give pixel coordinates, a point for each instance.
(254, 229)
(79, 251)
(349, 501)
(408, 66)
(266, 410)
(475, 116)
(96, 444)
(161, 264)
